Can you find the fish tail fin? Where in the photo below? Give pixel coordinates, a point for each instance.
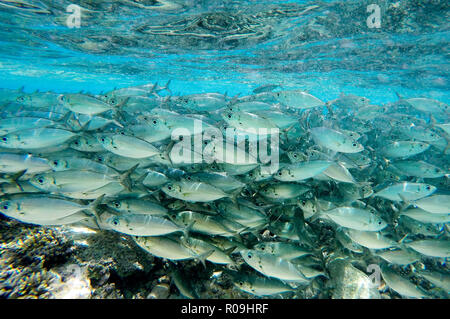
(123, 103)
(124, 178)
(233, 100)
(93, 208)
(118, 114)
(84, 127)
(15, 178)
(186, 230)
(65, 119)
(233, 197)
(286, 130)
(230, 250)
(203, 257)
(433, 121)
(400, 242)
(167, 150)
(141, 179)
(238, 234)
(153, 89)
(329, 107)
(98, 201)
(166, 87)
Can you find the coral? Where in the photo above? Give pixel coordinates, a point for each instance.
(26, 258)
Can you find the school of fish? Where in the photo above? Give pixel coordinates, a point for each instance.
(346, 183)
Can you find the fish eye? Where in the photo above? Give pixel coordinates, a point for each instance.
(280, 173)
(229, 116)
(379, 223)
(354, 144)
(303, 202)
(5, 207)
(154, 122)
(241, 283)
(262, 248)
(40, 180)
(76, 143)
(295, 155)
(115, 222)
(4, 139)
(169, 188)
(250, 174)
(180, 138)
(428, 187)
(55, 162)
(103, 139)
(113, 101)
(117, 204)
(249, 255)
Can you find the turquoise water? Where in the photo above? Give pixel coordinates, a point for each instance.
(327, 50)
